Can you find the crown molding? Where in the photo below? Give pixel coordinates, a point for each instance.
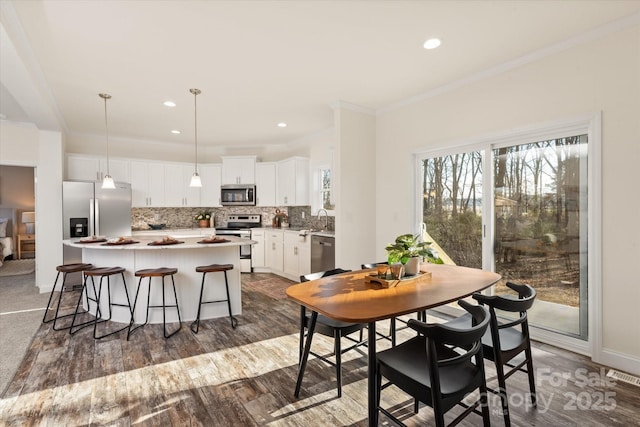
(344, 105)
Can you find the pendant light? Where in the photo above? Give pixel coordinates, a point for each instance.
(195, 178)
(107, 182)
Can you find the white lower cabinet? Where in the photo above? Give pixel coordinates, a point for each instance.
(274, 251)
(258, 261)
(297, 255)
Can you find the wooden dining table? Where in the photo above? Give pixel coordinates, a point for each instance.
(350, 298)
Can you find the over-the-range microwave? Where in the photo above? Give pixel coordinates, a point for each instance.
(238, 195)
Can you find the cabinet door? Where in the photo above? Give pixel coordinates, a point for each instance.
(118, 169)
(155, 182)
(293, 182)
(266, 184)
(258, 250)
(238, 170)
(304, 256)
(273, 250)
(174, 185)
(84, 168)
(139, 184)
(290, 254)
(211, 176)
(286, 182)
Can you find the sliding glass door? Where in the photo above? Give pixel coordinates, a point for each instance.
(540, 213)
(522, 212)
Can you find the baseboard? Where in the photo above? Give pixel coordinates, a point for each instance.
(621, 361)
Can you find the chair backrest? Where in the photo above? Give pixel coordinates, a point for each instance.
(372, 264)
(320, 274)
(526, 297)
(469, 340)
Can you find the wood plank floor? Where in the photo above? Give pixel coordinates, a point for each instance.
(246, 377)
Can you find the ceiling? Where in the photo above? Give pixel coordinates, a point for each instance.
(259, 63)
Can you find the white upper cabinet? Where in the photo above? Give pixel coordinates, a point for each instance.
(265, 184)
(91, 168)
(238, 170)
(211, 176)
(293, 182)
(177, 192)
(147, 184)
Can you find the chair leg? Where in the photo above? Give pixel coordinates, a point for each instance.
(133, 310)
(44, 318)
(195, 325)
(502, 390)
(532, 380)
(234, 321)
(393, 331)
(338, 346)
(164, 308)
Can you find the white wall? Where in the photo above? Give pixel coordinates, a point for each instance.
(27, 146)
(601, 75)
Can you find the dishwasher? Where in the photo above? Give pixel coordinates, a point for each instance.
(323, 253)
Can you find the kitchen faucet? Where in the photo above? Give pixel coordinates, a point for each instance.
(326, 218)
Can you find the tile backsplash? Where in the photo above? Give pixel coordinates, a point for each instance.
(298, 216)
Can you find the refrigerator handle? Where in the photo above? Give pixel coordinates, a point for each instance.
(92, 231)
(96, 216)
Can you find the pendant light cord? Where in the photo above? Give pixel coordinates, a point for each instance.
(106, 96)
(195, 108)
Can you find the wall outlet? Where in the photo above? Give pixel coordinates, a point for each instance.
(302, 214)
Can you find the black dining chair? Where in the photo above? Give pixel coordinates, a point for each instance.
(328, 327)
(439, 367)
(422, 315)
(509, 338)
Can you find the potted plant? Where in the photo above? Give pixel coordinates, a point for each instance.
(203, 219)
(407, 250)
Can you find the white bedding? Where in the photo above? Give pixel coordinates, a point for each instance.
(6, 247)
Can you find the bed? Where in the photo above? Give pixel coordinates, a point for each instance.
(7, 233)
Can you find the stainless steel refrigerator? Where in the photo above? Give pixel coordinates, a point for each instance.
(88, 210)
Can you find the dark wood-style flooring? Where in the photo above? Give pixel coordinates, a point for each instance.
(246, 377)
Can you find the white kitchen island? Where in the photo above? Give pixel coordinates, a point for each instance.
(183, 256)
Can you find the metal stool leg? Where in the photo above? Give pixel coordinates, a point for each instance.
(234, 321)
(196, 323)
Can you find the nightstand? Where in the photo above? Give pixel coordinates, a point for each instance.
(29, 242)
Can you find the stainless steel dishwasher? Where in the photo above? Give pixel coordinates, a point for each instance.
(323, 253)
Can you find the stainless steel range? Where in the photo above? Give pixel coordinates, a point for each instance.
(240, 225)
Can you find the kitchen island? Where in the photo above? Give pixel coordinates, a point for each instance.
(185, 257)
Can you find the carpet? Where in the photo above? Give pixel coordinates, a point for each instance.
(17, 267)
(274, 287)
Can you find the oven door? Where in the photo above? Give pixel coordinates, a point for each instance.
(245, 250)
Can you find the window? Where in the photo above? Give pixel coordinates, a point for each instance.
(325, 189)
(518, 205)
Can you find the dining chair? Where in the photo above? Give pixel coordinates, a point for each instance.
(440, 367)
(422, 315)
(508, 338)
(331, 328)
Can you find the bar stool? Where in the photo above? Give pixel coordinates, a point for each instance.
(156, 272)
(101, 272)
(213, 268)
(64, 269)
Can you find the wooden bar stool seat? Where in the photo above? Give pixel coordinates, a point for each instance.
(162, 273)
(100, 272)
(213, 268)
(65, 269)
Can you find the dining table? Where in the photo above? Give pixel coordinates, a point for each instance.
(350, 297)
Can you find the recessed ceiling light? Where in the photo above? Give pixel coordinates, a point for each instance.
(432, 43)
(175, 131)
(282, 125)
(169, 103)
